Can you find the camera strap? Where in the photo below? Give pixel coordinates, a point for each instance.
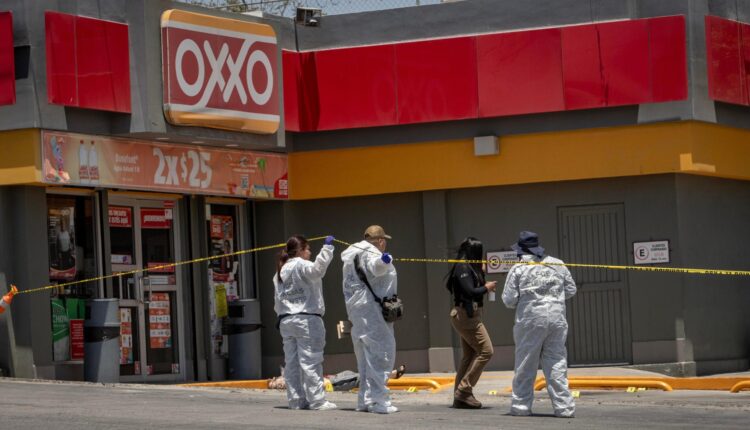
(363, 277)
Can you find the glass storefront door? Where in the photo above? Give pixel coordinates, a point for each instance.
(143, 234)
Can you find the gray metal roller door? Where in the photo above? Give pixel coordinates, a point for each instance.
(599, 314)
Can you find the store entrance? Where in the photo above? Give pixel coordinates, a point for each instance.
(143, 234)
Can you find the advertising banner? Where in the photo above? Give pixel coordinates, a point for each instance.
(159, 321)
(60, 331)
(62, 245)
(223, 270)
(76, 339)
(74, 159)
(219, 72)
(120, 216)
(154, 219)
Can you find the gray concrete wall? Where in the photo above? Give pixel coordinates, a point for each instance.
(668, 316)
(400, 215)
(713, 224)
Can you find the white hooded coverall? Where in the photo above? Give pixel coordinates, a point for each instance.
(304, 336)
(538, 293)
(372, 337)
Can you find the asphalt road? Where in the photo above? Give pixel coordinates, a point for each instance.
(61, 405)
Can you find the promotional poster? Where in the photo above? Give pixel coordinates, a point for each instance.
(74, 159)
(62, 245)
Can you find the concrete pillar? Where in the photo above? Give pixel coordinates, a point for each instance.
(440, 352)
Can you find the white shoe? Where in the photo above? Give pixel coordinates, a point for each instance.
(379, 409)
(565, 414)
(522, 413)
(325, 406)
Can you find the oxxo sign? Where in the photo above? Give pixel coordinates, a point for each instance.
(219, 73)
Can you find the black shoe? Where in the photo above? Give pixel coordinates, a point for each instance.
(466, 402)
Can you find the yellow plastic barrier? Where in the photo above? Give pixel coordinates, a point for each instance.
(744, 385)
(434, 384)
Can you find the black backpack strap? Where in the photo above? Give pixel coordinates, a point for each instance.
(363, 278)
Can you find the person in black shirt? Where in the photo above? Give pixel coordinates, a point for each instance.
(467, 285)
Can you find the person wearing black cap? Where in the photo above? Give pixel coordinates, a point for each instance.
(537, 288)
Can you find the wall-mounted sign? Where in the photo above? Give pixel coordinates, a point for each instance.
(135, 164)
(219, 72)
(500, 261)
(651, 252)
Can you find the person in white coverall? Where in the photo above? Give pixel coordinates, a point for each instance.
(372, 337)
(538, 292)
(300, 308)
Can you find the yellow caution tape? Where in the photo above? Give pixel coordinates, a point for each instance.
(163, 266)
(400, 260)
(591, 266)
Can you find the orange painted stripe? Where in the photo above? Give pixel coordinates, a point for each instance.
(222, 122)
(216, 22)
(21, 159)
(681, 147)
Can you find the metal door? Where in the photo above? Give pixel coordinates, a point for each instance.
(599, 314)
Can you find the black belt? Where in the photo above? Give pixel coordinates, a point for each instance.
(282, 316)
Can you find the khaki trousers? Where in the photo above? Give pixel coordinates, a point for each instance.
(476, 346)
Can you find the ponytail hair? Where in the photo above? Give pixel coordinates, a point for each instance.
(470, 249)
(294, 246)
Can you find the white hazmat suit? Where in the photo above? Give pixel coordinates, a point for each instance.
(304, 336)
(538, 293)
(372, 337)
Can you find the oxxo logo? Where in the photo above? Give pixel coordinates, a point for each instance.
(219, 72)
(238, 82)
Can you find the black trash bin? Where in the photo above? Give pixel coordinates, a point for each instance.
(243, 327)
(101, 332)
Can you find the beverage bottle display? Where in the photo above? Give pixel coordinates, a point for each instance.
(93, 165)
(83, 163)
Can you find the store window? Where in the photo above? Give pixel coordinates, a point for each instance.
(223, 271)
(72, 257)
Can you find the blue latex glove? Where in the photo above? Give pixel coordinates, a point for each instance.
(386, 258)
(329, 240)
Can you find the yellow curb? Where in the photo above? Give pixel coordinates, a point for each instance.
(259, 384)
(711, 383)
(432, 384)
(610, 383)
